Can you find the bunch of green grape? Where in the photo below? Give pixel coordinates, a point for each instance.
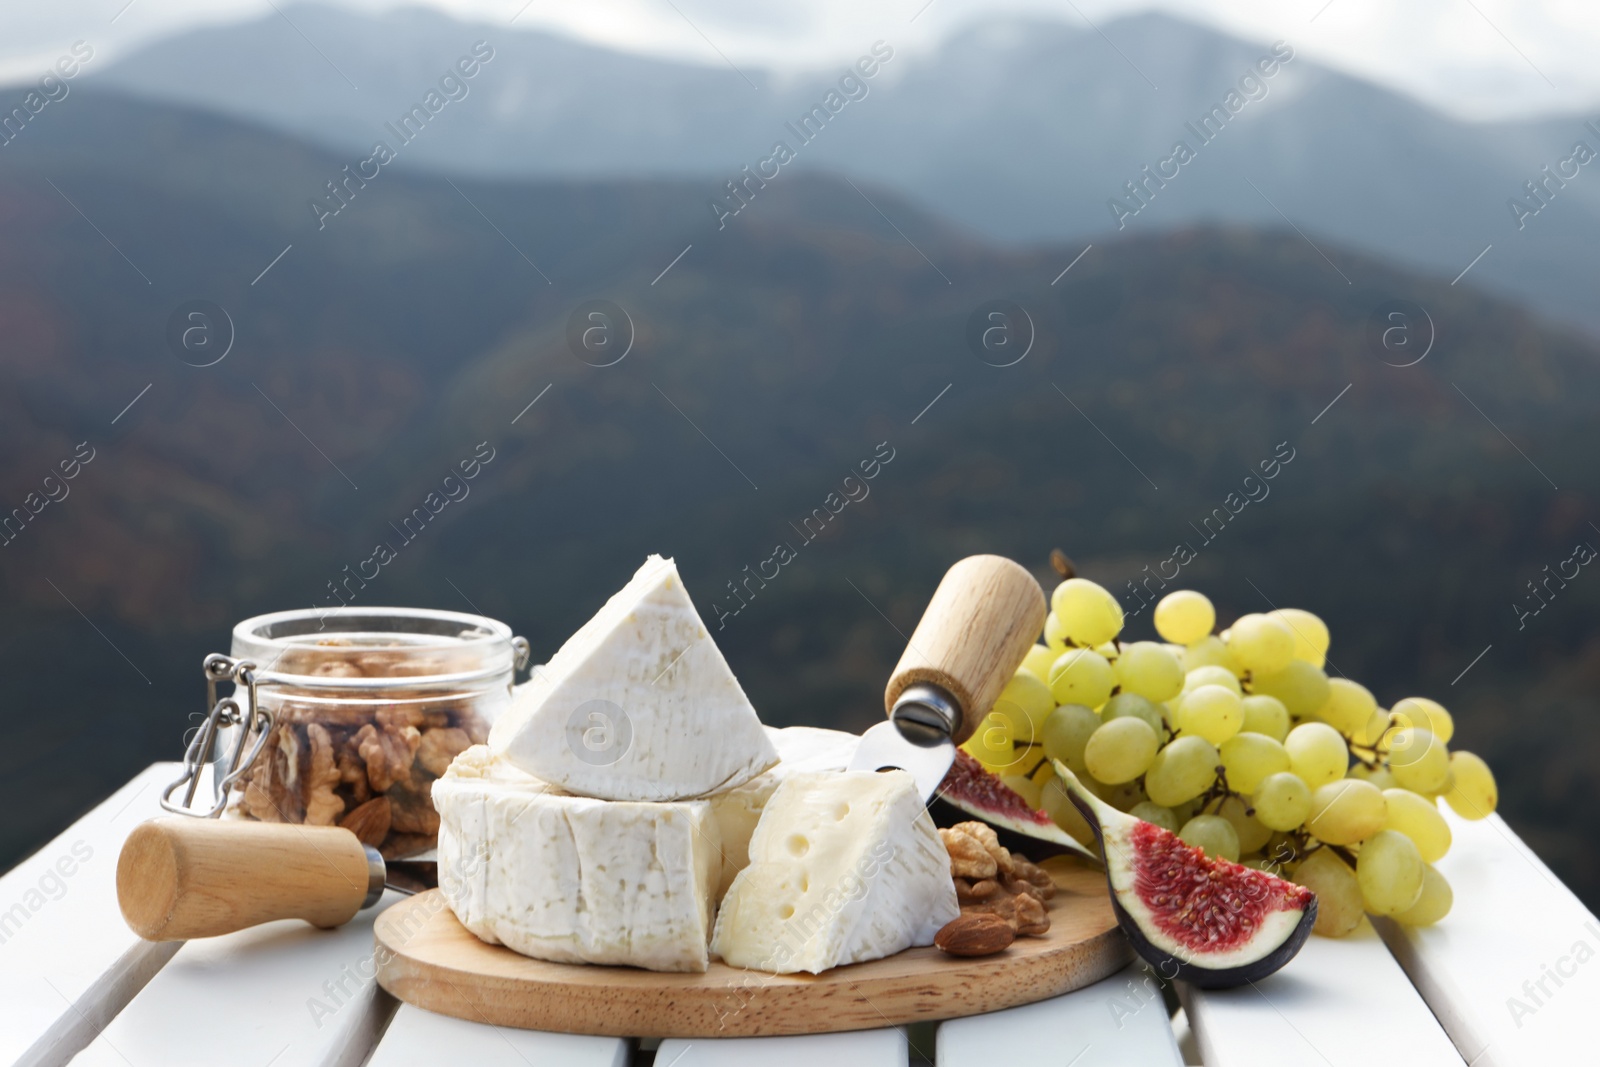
(1242, 745)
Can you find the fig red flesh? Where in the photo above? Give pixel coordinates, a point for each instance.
(1201, 903)
(971, 791)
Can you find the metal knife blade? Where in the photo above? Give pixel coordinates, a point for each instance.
(884, 746)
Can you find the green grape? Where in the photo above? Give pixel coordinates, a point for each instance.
(1310, 634)
(1212, 833)
(1472, 793)
(1120, 750)
(1262, 645)
(1121, 795)
(1317, 753)
(1282, 801)
(1249, 758)
(1346, 811)
(1251, 831)
(1088, 614)
(1129, 795)
(1389, 869)
(1055, 638)
(1302, 688)
(1212, 711)
(1429, 714)
(1369, 734)
(1066, 731)
(1212, 676)
(1265, 715)
(1081, 676)
(1037, 661)
(1182, 771)
(1419, 761)
(1349, 706)
(1124, 705)
(1338, 890)
(1209, 651)
(1025, 787)
(1149, 670)
(1018, 728)
(1419, 819)
(1187, 810)
(1028, 695)
(1378, 776)
(1154, 813)
(1432, 905)
(1185, 616)
(1056, 803)
(1110, 651)
(990, 744)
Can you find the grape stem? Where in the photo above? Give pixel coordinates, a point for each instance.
(1220, 792)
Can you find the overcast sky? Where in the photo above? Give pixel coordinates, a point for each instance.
(1477, 59)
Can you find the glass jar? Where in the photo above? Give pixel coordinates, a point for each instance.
(368, 708)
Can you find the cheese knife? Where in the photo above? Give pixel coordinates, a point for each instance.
(984, 616)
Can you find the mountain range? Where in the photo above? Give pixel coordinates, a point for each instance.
(832, 322)
(1024, 131)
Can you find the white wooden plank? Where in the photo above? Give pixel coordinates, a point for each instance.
(855, 1048)
(417, 1037)
(293, 995)
(1513, 972)
(68, 962)
(1117, 1021)
(1185, 1039)
(1342, 1002)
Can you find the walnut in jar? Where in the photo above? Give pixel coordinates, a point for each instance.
(369, 708)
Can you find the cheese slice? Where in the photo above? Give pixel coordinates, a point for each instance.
(800, 749)
(574, 879)
(844, 867)
(637, 705)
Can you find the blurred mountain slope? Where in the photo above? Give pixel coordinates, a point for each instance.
(769, 360)
(1022, 130)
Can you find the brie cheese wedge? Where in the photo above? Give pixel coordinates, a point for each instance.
(574, 879)
(637, 705)
(800, 749)
(844, 867)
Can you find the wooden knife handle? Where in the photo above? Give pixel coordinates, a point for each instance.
(180, 878)
(983, 618)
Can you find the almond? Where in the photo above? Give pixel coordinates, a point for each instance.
(974, 934)
(369, 821)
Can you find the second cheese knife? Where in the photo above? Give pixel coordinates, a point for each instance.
(984, 616)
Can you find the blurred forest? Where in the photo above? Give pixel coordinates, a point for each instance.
(766, 363)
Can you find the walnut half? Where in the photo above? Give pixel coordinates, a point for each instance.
(388, 753)
(991, 879)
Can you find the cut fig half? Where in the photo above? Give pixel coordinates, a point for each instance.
(971, 791)
(1198, 919)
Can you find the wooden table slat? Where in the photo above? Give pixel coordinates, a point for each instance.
(1513, 972)
(417, 1037)
(68, 963)
(1340, 1002)
(283, 993)
(854, 1048)
(1117, 1021)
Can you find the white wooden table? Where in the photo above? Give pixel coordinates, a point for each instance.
(1511, 977)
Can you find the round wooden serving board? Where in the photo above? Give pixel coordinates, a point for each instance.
(426, 958)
